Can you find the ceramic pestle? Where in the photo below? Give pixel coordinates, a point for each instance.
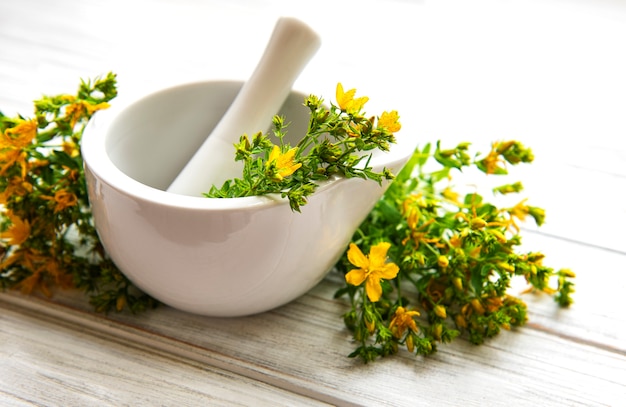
(288, 51)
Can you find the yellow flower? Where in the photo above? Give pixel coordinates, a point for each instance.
(371, 268)
(82, 109)
(15, 187)
(347, 102)
(63, 200)
(20, 135)
(412, 217)
(389, 121)
(12, 143)
(403, 320)
(493, 162)
(18, 232)
(11, 156)
(520, 211)
(456, 241)
(280, 164)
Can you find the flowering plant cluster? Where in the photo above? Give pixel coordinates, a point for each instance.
(47, 234)
(332, 145)
(439, 263)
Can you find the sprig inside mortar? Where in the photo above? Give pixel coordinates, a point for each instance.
(334, 144)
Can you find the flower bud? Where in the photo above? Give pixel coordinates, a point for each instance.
(456, 241)
(535, 257)
(420, 258)
(498, 235)
(478, 223)
(506, 266)
(409, 343)
(440, 311)
(370, 325)
(278, 122)
(478, 307)
(460, 321)
(538, 214)
(313, 102)
(243, 148)
(437, 331)
(120, 302)
(442, 261)
(457, 283)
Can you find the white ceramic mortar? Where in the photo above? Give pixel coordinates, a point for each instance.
(216, 257)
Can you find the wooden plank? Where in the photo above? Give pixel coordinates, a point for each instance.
(308, 356)
(596, 317)
(563, 356)
(45, 361)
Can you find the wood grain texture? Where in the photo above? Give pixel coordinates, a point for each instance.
(549, 73)
(48, 361)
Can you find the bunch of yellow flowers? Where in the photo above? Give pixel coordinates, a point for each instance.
(336, 143)
(46, 229)
(440, 265)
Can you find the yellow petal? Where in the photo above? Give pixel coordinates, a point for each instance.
(285, 164)
(344, 99)
(91, 108)
(18, 232)
(388, 271)
(274, 154)
(373, 289)
(339, 92)
(356, 257)
(357, 104)
(288, 170)
(356, 277)
(378, 253)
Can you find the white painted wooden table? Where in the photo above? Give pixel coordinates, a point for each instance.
(550, 73)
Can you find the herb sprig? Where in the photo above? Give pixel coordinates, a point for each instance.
(453, 256)
(46, 227)
(333, 145)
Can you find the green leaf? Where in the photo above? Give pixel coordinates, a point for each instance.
(62, 158)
